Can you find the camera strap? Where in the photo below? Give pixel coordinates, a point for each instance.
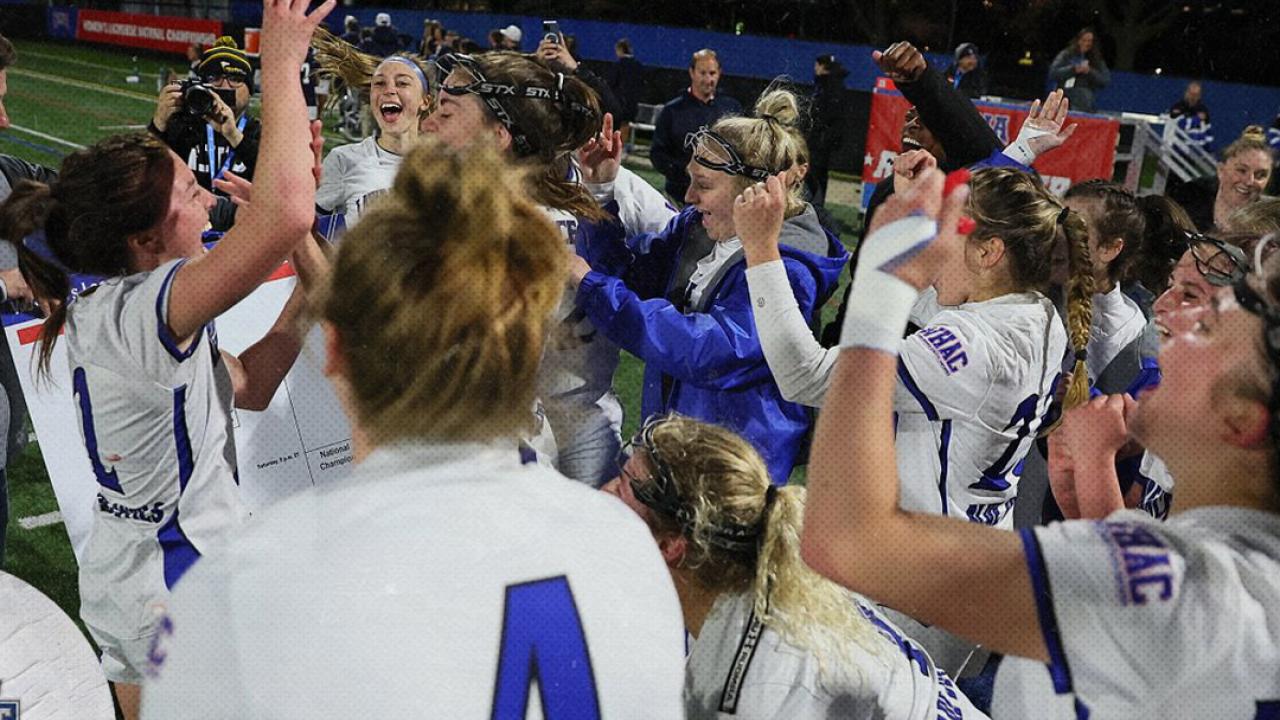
(231, 152)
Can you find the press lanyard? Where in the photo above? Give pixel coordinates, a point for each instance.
(231, 152)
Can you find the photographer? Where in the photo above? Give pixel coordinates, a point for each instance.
(204, 118)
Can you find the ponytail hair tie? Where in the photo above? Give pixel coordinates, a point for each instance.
(770, 496)
(1062, 216)
(1082, 354)
(769, 118)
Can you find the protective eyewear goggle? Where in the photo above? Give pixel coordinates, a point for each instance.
(1221, 264)
(712, 151)
(462, 76)
(659, 493)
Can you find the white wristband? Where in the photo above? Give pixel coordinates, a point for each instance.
(1020, 148)
(880, 302)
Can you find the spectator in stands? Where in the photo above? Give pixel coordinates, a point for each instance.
(626, 80)
(351, 30)
(1192, 103)
(495, 39)
(1079, 70)
(696, 107)
(432, 34)
(385, 39)
(827, 114)
(13, 407)
(226, 69)
(966, 74)
(511, 37)
(193, 57)
(1242, 175)
(561, 57)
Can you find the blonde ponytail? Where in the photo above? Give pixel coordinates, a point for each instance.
(1079, 295)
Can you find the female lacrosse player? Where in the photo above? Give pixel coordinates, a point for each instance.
(771, 638)
(449, 578)
(1133, 618)
(153, 392)
(537, 118)
(400, 98)
(678, 299)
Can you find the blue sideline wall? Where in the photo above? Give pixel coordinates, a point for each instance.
(1233, 105)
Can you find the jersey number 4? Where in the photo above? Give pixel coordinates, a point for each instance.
(543, 642)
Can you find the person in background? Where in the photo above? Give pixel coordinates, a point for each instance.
(1242, 175)
(827, 115)
(562, 56)
(626, 80)
(1080, 71)
(351, 30)
(966, 74)
(432, 34)
(697, 107)
(495, 40)
(1191, 104)
(511, 37)
(194, 51)
(385, 39)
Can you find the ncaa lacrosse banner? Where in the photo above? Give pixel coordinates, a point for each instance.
(1090, 153)
(302, 439)
(153, 32)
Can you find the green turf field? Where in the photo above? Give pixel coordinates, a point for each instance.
(62, 97)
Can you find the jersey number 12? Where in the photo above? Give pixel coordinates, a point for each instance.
(543, 642)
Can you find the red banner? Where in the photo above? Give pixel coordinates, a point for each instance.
(1090, 153)
(154, 32)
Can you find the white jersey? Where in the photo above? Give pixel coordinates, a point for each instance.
(1144, 619)
(1117, 322)
(438, 581)
(157, 424)
(974, 386)
(48, 671)
(354, 175)
(740, 668)
(575, 381)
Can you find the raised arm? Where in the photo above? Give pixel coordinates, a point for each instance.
(968, 579)
(800, 366)
(282, 214)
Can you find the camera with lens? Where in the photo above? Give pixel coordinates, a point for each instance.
(198, 98)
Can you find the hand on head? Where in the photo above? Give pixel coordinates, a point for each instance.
(758, 215)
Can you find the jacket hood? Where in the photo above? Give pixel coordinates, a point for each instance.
(803, 238)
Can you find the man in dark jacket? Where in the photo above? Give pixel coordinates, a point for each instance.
(385, 39)
(626, 79)
(826, 133)
(226, 130)
(966, 74)
(697, 106)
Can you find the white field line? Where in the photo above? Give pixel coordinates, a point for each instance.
(84, 63)
(39, 521)
(45, 136)
(141, 97)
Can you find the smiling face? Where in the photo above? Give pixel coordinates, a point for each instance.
(915, 136)
(712, 193)
(188, 214)
(397, 97)
(1243, 177)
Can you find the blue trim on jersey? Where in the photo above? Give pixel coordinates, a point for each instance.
(182, 438)
(80, 388)
(176, 548)
(1058, 669)
(944, 449)
(1082, 712)
(910, 384)
(167, 339)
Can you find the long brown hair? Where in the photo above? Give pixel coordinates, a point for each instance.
(1015, 206)
(104, 195)
(1114, 214)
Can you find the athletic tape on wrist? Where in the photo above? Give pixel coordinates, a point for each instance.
(880, 303)
(1020, 148)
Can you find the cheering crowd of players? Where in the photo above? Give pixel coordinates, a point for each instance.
(496, 259)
